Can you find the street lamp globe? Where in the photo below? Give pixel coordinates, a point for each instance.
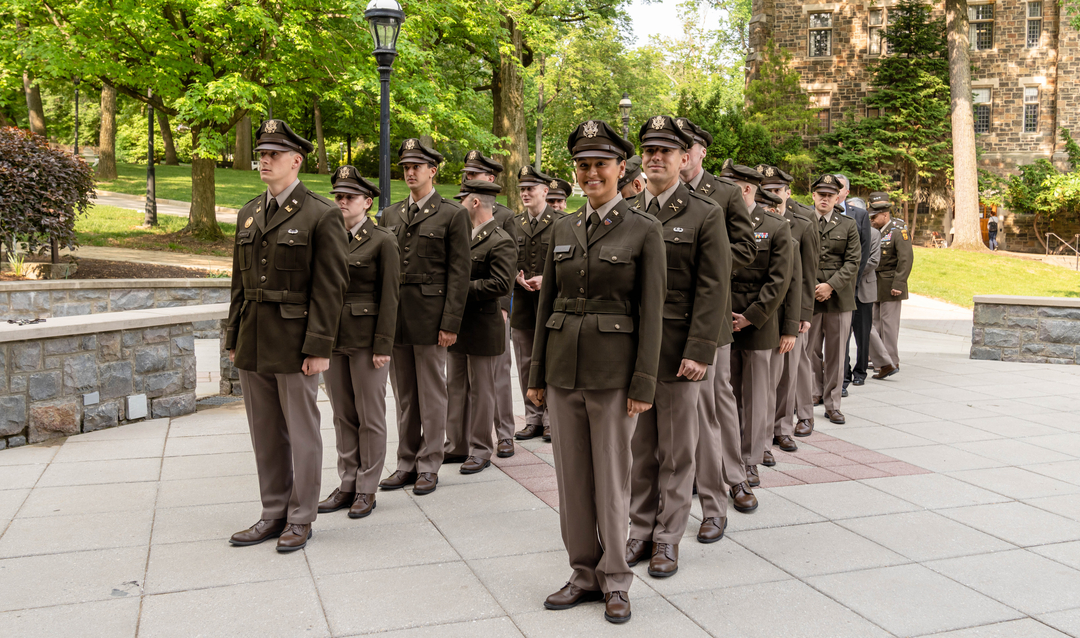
(624, 109)
(384, 19)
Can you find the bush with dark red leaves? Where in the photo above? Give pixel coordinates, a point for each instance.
(42, 190)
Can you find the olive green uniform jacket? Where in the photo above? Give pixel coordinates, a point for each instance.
(804, 232)
(896, 261)
(698, 278)
(838, 264)
(794, 305)
(289, 278)
(504, 218)
(483, 330)
(434, 268)
(532, 250)
(758, 290)
(600, 318)
(740, 233)
(369, 316)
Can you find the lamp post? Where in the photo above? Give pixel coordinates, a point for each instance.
(385, 18)
(150, 219)
(75, 151)
(624, 110)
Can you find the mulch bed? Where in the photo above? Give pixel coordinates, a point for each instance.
(104, 269)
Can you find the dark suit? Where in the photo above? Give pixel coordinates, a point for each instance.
(862, 319)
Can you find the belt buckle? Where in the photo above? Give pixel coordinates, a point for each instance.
(579, 306)
(258, 295)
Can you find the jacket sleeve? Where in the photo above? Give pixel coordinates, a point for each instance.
(652, 285)
(772, 293)
(810, 253)
(740, 231)
(844, 275)
(329, 279)
(236, 298)
(548, 291)
(501, 260)
(458, 267)
(511, 229)
(793, 298)
(905, 259)
(390, 269)
(712, 287)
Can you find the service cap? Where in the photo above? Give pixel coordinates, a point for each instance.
(700, 135)
(827, 183)
(633, 170)
(559, 189)
(595, 138)
(879, 202)
(412, 151)
(346, 180)
(661, 130)
(529, 176)
(275, 135)
(771, 175)
(731, 170)
(475, 161)
(478, 187)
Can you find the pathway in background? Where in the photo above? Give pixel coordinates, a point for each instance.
(164, 206)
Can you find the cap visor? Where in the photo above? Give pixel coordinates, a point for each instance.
(349, 190)
(597, 153)
(271, 146)
(660, 141)
(827, 189)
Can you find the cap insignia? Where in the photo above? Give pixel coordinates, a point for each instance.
(524, 171)
(681, 123)
(410, 144)
(770, 172)
(828, 179)
(728, 163)
(270, 127)
(658, 122)
(590, 129)
(553, 184)
(343, 172)
(472, 155)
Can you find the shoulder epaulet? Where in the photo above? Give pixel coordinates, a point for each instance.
(500, 231)
(253, 199)
(703, 198)
(382, 230)
(322, 199)
(775, 216)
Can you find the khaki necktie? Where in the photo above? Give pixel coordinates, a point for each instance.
(594, 221)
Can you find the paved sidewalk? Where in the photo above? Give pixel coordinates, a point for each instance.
(155, 257)
(164, 206)
(949, 502)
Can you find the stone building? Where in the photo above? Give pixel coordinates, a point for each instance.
(1026, 77)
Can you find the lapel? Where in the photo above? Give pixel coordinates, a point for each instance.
(362, 236)
(543, 221)
(578, 226)
(292, 206)
(675, 204)
(614, 218)
(757, 217)
(430, 207)
(832, 223)
(482, 236)
(707, 184)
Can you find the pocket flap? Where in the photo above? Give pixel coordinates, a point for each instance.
(679, 234)
(293, 310)
(293, 237)
(433, 231)
(614, 323)
(478, 257)
(521, 239)
(678, 311)
(245, 237)
(555, 321)
(364, 309)
(432, 290)
(564, 252)
(616, 254)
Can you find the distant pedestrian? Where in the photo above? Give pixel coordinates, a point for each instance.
(992, 226)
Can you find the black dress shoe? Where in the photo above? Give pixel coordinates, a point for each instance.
(859, 381)
(843, 393)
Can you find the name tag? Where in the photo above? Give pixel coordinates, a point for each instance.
(563, 249)
(243, 233)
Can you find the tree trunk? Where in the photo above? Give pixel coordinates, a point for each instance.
(202, 218)
(106, 168)
(33, 105)
(508, 102)
(324, 169)
(242, 152)
(968, 234)
(539, 152)
(166, 136)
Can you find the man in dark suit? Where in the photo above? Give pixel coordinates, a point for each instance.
(863, 317)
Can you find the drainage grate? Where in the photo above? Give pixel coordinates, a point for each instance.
(218, 400)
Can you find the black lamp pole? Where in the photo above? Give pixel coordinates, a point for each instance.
(385, 18)
(151, 188)
(75, 151)
(624, 110)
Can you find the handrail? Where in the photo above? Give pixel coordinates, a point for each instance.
(1075, 249)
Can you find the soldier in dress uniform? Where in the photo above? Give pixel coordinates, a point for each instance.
(473, 362)
(533, 232)
(289, 278)
(698, 287)
(633, 182)
(558, 194)
(479, 167)
(834, 294)
(892, 275)
(719, 454)
(787, 371)
(757, 292)
(433, 234)
(359, 367)
(595, 356)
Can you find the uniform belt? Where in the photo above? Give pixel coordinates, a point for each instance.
(419, 279)
(359, 297)
(277, 296)
(580, 306)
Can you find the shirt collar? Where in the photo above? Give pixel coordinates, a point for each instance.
(663, 197)
(476, 231)
(827, 216)
(604, 208)
(283, 196)
(356, 229)
(423, 200)
(694, 183)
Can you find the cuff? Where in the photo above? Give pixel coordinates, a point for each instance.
(790, 327)
(450, 323)
(536, 376)
(383, 345)
(316, 345)
(755, 315)
(642, 388)
(230, 338)
(700, 350)
(504, 303)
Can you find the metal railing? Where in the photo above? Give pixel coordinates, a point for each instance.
(1074, 247)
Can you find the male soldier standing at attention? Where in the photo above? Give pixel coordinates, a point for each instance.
(433, 234)
(289, 278)
(473, 360)
(479, 167)
(634, 181)
(533, 232)
(356, 380)
(834, 295)
(698, 288)
(757, 291)
(892, 275)
(719, 455)
(558, 191)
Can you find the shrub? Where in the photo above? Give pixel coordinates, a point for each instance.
(42, 190)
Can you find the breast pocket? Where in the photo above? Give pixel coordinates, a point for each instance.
(679, 242)
(432, 241)
(292, 249)
(617, 255)
(245, 245)
(479, 267)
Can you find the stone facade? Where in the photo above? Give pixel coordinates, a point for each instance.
(1026, 329)
(45, 382)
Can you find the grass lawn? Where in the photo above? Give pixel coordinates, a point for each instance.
(236, 188)
(122, 228)
(955, 276)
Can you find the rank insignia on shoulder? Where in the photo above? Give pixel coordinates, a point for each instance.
(247, 224)
(293, 231)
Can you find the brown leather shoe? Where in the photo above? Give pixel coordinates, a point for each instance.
(818, 401)
(712, 529)
(474, 465)
(530, 431)
(785, 443)
(505, 449)
(835, 416)
(449, 459)
(767, 460)
(885, 371)
(426, 483)
(805, 427)
(547, 433)
(743, 499)
(636, 551)
(665, 560)
(571, 596)
(398, 480)
(294, 537)
(616, 607)
(752, 476)
(259, 532)
(362, 506)
(337, 500)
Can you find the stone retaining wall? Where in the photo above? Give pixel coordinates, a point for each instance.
(1030, 329)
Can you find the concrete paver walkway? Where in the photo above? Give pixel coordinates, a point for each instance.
(164, 206)
(951, 506)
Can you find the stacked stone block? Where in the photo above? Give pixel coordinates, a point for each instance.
(1029, 333)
